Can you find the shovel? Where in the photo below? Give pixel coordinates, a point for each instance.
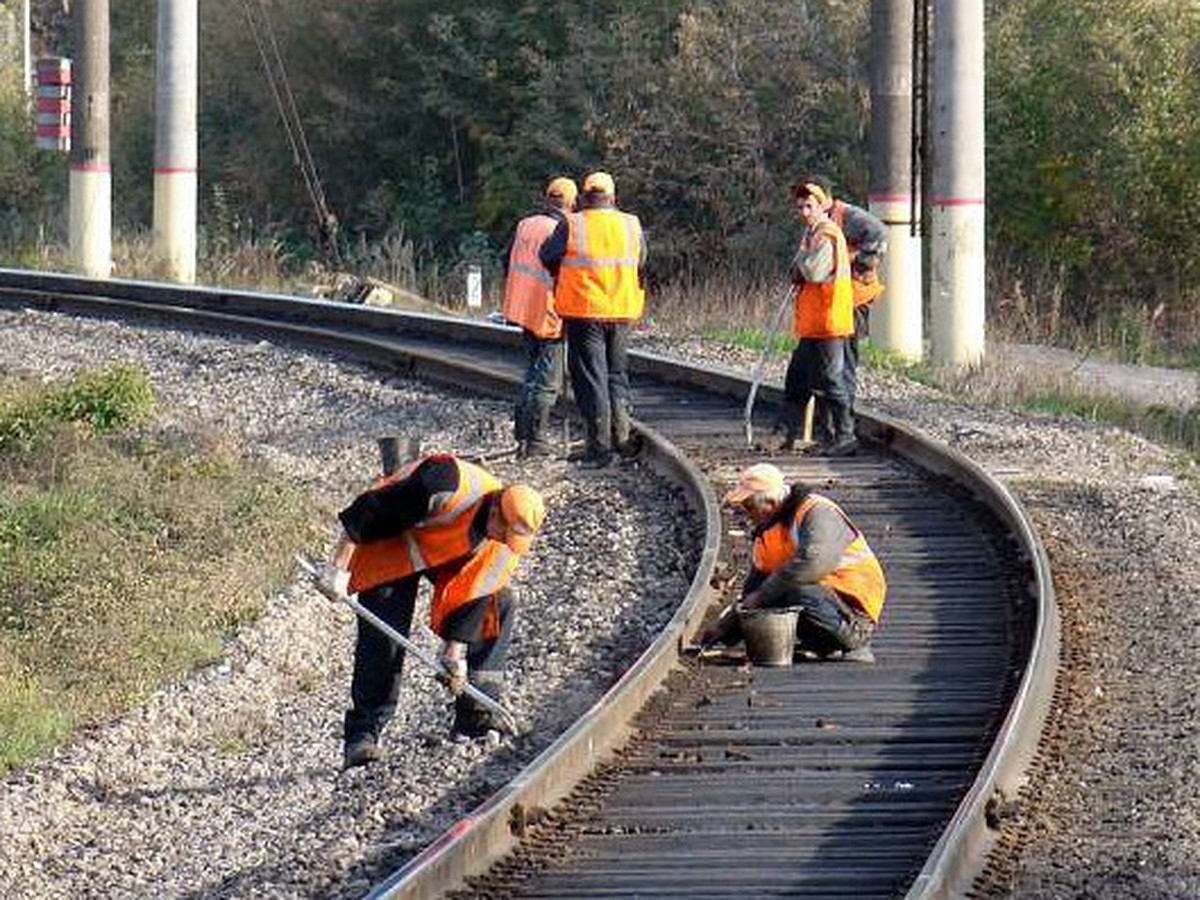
(431, 662)
(768, 351)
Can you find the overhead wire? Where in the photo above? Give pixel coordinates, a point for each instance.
(289, 113)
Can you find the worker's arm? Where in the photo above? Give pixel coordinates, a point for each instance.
(814, 259)
(821, 539)
(554, 248)
(866, 236)
(397, 506)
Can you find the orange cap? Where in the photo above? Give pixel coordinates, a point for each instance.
(761, 478)
(563, 189)
(522, 510)
(600, 183)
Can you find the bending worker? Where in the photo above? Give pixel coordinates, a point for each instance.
(529, 303)
(823, 321)
(807, 555)
(454, 523)
(597, 256)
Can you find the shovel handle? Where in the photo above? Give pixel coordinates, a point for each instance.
(431, 662)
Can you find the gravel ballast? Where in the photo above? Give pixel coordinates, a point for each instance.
(228, 784)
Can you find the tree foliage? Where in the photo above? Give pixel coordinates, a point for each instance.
(436, 124)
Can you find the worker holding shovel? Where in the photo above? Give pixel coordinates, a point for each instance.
(454, 523)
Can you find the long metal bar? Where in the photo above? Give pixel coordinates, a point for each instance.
(433, 663)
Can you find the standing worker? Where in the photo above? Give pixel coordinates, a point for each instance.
(529, 303)
(597, 255)
(807, 555)
(454, 523)
(866, 241)
(823, 322)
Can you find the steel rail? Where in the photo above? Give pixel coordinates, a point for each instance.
(396, 340)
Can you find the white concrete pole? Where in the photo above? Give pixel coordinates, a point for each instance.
(957, 265)
(90, 183)
(26, 49)
(896, 318)
(175, 140)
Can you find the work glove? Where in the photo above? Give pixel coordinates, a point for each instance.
(454, 664)
(333, 577)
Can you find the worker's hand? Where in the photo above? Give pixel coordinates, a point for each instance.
(753, 600)
(334, 578)
(454, 661)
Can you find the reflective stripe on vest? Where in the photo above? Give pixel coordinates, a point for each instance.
(826, 309)
(488, 570)
(442, 536)
(858, 576)
(598, 275)
(529, 289)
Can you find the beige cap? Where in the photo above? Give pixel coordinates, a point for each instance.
(563, 189)
(600, 183)
(761, 478)
(522, 509)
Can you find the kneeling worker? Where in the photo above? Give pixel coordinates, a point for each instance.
(809, 556)
(454, 523)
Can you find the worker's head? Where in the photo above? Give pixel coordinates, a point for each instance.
(599, 189)
(814, 186)
(561, 193)
(519, 514)
(759, 491)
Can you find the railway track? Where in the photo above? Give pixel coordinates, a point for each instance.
(820, 779)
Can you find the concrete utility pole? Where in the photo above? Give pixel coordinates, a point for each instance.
(91, 173)
(896, 321)
(957, 274)
(175, 140)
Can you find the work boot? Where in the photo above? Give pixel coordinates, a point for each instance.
(361, 752)
(863, 654)
(537, 448)
(846, 446)
(629, 448)
(472, 719)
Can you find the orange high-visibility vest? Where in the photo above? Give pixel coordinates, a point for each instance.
(482, 574)
(529, 290)
(598, 275)
(825, 309)
(858, 576)
(443, 535)
(865, 292)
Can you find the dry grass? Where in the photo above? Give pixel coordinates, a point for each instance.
(125, 559)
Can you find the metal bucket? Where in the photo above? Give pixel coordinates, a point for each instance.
(770, 635)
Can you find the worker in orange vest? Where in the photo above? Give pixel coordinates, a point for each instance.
(809, 556)
(597, 255)
(529, 303)
(866, 241)
(823, 321)
(454, 523)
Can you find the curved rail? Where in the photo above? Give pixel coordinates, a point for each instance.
(441, 350)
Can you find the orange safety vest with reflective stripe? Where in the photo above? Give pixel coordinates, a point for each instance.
(825, 309)
(481, 575)
(865, 292)
(443, 535)
(598, 275)
(858, 576)
(529, 290)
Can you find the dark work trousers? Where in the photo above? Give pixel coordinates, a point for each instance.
(827, 622)
(466, 624)
(823, 426)
(378, 661)
(597, 359)
(818, 367)
(539, 389)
